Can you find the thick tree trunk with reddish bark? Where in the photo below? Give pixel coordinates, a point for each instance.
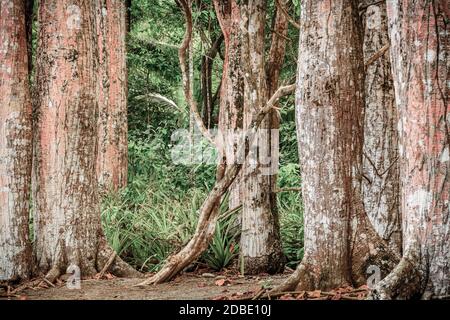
(380, 183)
(67, 212)
(260, 243)
(112, 162)
(340, 243)
(15, 143)
(420, 41)
(329, 109)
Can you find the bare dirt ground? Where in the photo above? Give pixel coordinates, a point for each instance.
(187, 286)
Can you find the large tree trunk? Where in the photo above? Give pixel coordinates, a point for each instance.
(380, 183)
(260, 243)
(112, 162)
(15, 143)
(231, 92)
(67, 212)
(419, 36)
(340, 243)
(329, 109)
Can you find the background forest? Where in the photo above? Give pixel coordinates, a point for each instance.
(161, 201)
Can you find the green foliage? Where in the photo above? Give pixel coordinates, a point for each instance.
(153, 66)
(223, 247)
(290, 207)
(145, 227)
(157, 213)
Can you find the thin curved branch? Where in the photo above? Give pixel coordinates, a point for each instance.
(182, 51)
(376, 56)
(156, 97)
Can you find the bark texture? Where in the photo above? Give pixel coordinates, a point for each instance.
(112, 162)
(67, 212)
(260, 243)
(29, 20)
(209, 98)
(340, 243)
(419, 34)
(15, 143)
(329, 107)
(231, 108)
(380, 183)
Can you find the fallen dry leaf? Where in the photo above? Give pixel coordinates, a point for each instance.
(222, 282)
(314, 294)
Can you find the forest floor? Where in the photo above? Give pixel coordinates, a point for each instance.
(199, 285)
(195, 286)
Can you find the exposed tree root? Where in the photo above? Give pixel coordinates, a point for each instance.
(108, 260)
(300, 280)
(404, 282)
(53, 274)
(368, 250)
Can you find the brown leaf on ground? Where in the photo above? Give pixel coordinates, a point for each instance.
(314, 294)
(222, 282)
